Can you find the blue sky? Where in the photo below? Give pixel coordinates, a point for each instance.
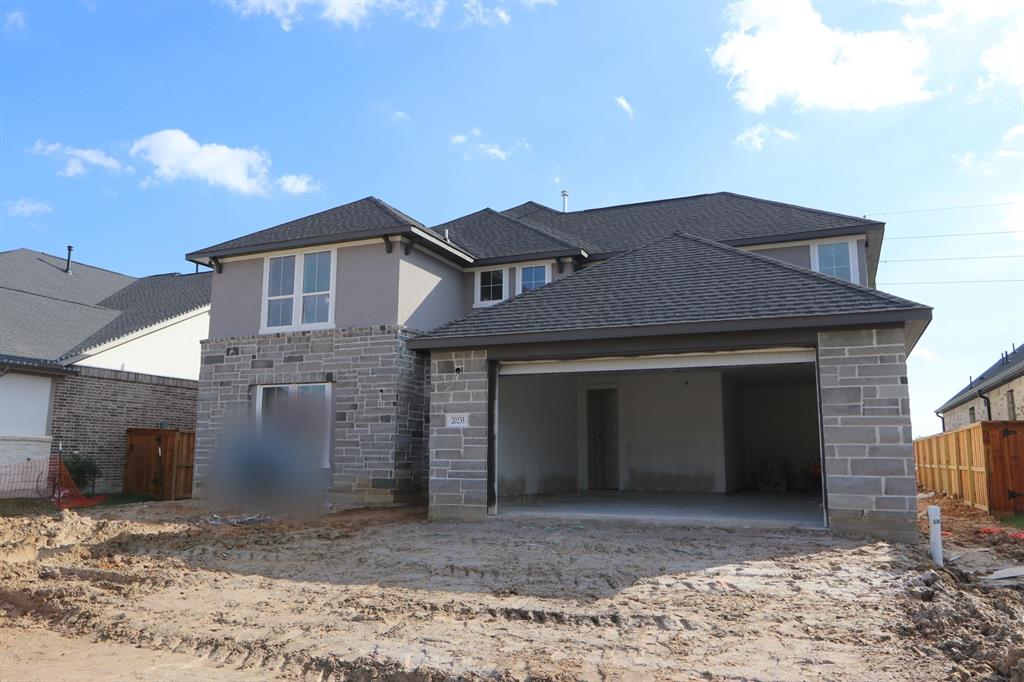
(140, 131)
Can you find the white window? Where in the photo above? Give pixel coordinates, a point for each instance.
(532, 277)
(837, 259)
(491, 287)
(301, 412)
(298, 291)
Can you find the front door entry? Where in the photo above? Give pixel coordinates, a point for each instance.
(603, 439)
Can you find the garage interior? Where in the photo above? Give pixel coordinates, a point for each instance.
(732, 444)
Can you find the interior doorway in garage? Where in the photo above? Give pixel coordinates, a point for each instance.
(718, 444)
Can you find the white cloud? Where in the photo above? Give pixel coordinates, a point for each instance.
(493, 151)
(355, 13)
(954, 13)
(754, 137)
(1013, 133)
(457, 138)
(176, 156)
(27, 208)
(625, 106)
(479, 13)
(78, 159)
(460, 138)
(15, 20)
(399, 116)
(298, 184)
(530, 4)
(1004, 61)
(926, 354)
(783, 50)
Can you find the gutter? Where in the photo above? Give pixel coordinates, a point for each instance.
(988, 405)
(1008, 374)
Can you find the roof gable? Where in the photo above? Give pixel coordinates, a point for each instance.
(368, 215)
(678, 280)
(488, 234)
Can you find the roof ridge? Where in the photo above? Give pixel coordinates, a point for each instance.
(395, 213)
(536, 228)
(892, 298)
(62, 300)
(641, 203)
(78, 262)
(806, 209)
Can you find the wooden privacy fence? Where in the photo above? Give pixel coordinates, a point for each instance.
(159, 462)
(982, 464)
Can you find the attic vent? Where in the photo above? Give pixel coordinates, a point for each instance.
(67, 265)
(565, 201)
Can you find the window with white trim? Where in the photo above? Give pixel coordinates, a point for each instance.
(300, 412)
(298, 291)
(490, 287)
(532, 277)
(834, 260)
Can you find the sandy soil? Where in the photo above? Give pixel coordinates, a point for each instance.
(154, 592)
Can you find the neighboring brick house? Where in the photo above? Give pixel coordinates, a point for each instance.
(86, 353)
(995, 394)
(632, 356)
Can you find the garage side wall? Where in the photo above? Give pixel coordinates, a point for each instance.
(458, 455)
(869, 453)
(93, 409)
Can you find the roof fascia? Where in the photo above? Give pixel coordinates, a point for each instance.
(1006, 375)
(888, 317)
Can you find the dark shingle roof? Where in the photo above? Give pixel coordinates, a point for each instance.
(355, 218)
(1000, 372)
(40, 273)
(488, 234)
(723, 217)
(148, 301)
(678, 280)
(47, 314)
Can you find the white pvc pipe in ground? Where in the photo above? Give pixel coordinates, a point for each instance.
(935, 534)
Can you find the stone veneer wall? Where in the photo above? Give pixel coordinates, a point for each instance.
(869, 452)
(378, 390)
(458, 456)
(93, 409)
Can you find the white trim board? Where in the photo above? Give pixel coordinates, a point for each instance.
(772, 356)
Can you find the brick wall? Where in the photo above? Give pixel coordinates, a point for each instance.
(869, 452)
(378, 448)
(93, 409)
(458, 456)
(960, 416)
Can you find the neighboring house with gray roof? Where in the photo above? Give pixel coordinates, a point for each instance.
(86, 352)
(995, 394)
(716, 351)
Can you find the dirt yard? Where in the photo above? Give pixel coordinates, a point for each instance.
(153, 591)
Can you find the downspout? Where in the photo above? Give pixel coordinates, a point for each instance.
(942, 418)
(988, 405)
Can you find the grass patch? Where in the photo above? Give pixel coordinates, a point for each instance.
(26, 506)
(1015, 520)
(114, 499)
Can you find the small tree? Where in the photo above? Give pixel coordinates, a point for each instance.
(83, 470)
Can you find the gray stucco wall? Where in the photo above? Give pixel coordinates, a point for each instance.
(795, 255)
(430, 291)
(235, 299)
(366, 292)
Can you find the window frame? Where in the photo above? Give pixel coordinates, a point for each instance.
(477, 303)
(293, 391)
(297, 294)
(535, 264)
(854, 257)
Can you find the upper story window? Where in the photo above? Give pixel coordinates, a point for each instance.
(490, 287)
(532, 277)
(298, 291)
(835, 260)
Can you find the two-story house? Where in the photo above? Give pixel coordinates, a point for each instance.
(709, 352)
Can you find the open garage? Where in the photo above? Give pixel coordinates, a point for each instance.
(715, 437)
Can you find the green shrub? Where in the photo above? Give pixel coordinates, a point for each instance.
(83, 470)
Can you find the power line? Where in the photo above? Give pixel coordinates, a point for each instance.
(955, 281)
(943, 208)
(921, 260)
(958, 234)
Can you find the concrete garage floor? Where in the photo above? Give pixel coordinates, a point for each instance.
(711, 509)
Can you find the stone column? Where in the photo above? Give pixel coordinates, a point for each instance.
(458, 454)
(869, 452)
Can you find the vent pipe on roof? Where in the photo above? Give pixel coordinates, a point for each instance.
(67, 265)
(565, 200)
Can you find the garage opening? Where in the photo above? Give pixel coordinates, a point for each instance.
(726, 443)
